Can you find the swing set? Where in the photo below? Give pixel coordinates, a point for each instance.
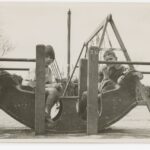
(101, 110)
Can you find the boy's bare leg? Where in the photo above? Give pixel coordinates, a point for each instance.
(53, 95)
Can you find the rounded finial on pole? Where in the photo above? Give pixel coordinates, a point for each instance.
(69, 11)
(68, 43)
(109, 17)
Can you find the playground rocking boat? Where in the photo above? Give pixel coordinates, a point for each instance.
(113, 105)
(69, 112)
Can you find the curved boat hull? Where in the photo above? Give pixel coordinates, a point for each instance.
(116, 104)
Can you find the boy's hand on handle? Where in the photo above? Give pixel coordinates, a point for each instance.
(58, 86)
(106, 74)
(57, 80)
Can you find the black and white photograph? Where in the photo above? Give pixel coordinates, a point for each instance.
(74, 72)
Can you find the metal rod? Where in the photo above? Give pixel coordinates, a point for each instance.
(73, 70)
(139, 86)
(124, 62)
(110, 44)
(69, 33)
(100, 27)
(86, 51)
(120, 41)
(69, 97)
(103, 33)
(144, 72)
(18, 59)
(54, 70)
(57, 74)
(58, 69)
(96, 32)
(20, 69)
(114, 49)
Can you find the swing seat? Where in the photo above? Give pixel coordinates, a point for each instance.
(16, 102)
(113, 103)
(19, 102)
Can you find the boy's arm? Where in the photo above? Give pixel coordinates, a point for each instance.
(31, 79)
(58, 86)
(103, 73)
(100, 76)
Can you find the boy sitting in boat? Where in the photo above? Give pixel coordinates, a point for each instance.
(110, 73)
(53, 89)
(110, 77)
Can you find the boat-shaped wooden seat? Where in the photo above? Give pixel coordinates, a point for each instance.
(113, 105)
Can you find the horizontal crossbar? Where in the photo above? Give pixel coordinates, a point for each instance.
(18, 59)
(20, 69)
(144, 72)
(69, 97)
(124, 62)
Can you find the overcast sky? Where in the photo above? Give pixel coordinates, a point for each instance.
(28, 24)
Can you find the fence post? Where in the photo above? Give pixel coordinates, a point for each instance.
(40, 90)
(92, 89)
(82, 77)
(82, 86)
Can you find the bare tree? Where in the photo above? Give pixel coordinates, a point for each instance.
(5, 45)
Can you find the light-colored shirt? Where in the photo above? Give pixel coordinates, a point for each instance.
(32, 77)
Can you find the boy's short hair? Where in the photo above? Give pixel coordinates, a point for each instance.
(109, 52)
(49, 51)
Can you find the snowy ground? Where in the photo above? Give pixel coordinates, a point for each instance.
(133, 127)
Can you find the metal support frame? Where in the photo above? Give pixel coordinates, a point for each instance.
(18, 59)
(13, 69)
(124, 62)
(139, 86)
(103, 33)
(120, 41)
(69, 41)
(57, 68)
(100, 27)
(73, 70)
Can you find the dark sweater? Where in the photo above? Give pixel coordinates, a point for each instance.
(113, 73)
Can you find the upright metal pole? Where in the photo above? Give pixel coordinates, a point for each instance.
(69, 33)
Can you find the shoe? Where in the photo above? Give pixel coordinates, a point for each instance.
(49, 120)
(50, 123)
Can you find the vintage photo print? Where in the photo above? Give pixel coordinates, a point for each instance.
(74, 72)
